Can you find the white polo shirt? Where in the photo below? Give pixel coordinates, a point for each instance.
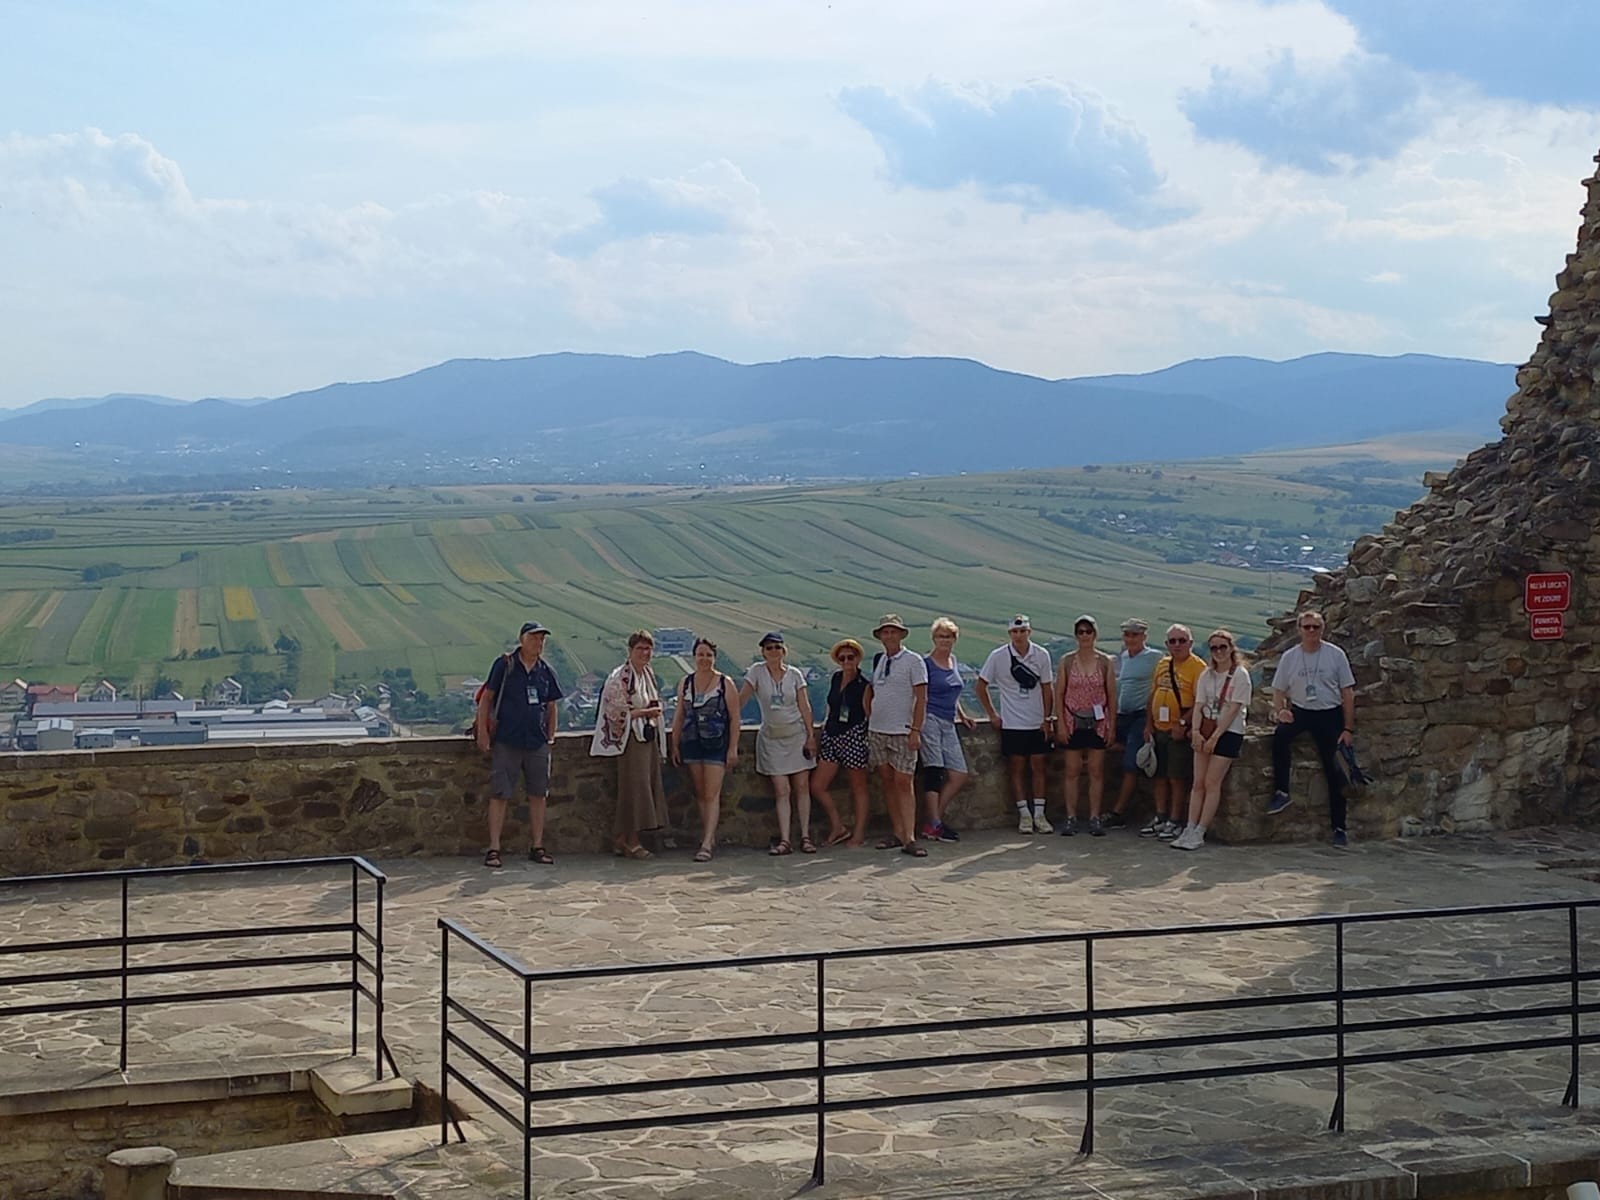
(1018, 709)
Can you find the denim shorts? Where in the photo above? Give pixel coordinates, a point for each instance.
(1130, 732)
(941, 745)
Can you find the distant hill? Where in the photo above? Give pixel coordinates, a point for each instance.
(688, 416)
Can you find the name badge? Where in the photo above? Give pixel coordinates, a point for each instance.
(1311, 691)
(533, 694)
(1099, 712)
(1163, 714)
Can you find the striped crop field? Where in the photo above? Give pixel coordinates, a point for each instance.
(238, 604)
(185, 622)
(470, 561)
(438, 580)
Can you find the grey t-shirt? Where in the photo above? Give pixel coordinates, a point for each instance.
(1313, 681)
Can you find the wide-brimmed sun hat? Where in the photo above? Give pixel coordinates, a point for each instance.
(891, 621)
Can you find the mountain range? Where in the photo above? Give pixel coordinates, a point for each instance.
(688, 416)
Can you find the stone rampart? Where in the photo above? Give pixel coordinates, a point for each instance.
(92, 810)
(1469, 722)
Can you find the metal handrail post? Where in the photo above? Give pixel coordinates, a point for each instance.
(122, 1051)
(527, 1089)
(1086, 1146)
(444, 1036)
(355, 959)
(1571, 1098)
(377, 1050)
(1336, 1119)
(819, 1168)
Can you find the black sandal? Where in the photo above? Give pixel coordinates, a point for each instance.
(914, 850)
(492, 860)
(890, 843)
(541, 856)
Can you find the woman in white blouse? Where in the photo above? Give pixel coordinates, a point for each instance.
(630, 730)
(786, 743)
(1221, 699)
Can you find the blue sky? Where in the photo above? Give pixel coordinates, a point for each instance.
(218, 199)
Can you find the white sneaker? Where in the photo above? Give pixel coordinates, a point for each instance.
(1040, 825)
(1193, 839)
(1024, 821)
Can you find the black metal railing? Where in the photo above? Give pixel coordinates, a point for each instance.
(365, 978)
(1334, 1026)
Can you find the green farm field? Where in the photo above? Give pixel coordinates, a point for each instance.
(438, 580)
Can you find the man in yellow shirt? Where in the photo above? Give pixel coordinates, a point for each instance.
(1168, 722)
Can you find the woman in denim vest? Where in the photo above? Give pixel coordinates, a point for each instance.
(705, 737)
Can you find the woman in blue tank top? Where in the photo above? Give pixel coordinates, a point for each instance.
(944, 765)
(705, 737)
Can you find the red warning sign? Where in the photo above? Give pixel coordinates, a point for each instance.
(1547, 592)
(1547, 626)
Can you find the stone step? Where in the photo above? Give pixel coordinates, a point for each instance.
(390, 1164)
(346, 1089)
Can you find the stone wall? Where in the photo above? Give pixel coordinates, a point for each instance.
(1468, 722)
(94, 810)
(59, 1155)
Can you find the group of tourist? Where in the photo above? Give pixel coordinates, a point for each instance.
(1175, 715)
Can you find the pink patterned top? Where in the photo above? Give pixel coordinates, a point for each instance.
(1085, 689)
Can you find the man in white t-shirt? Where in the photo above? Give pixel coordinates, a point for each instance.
(1313, 691)
(897, 704)
(1020, 673)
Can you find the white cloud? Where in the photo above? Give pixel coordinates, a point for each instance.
(712, 199)
(72, 175)
(1044, 146)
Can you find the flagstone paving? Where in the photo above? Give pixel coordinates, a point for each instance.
(1149, 1138)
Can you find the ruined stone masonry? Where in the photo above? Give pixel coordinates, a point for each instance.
(1469, 723)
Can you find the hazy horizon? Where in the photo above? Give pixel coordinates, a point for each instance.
(212, 201)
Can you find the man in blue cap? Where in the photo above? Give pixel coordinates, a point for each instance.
(516, 723)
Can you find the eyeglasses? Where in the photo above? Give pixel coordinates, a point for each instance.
(1219, 647)
(1177, 641)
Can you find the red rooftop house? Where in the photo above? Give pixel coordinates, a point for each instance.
(51, 693)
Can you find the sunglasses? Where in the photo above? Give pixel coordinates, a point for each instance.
(1083, 633)
(1177, 641)
(848, 657)
(1311, 627)
(1219, 647)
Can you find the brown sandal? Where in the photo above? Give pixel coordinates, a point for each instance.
(703, 854)
(492, 860)
(807, 846)
(541, 856)
(779, 848)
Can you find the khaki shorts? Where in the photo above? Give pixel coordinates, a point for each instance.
(1174, 756)
(893, 749)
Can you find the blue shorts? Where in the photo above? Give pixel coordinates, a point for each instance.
(941, 745)
(1130, 732)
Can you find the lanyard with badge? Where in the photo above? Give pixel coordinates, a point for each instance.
(1312, 669)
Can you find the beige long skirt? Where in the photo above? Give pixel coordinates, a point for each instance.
(641, 800)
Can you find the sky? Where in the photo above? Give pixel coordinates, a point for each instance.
(203, 199)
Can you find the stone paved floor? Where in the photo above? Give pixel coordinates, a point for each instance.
(589, 911)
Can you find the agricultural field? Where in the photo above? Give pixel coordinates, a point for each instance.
(194, 588)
